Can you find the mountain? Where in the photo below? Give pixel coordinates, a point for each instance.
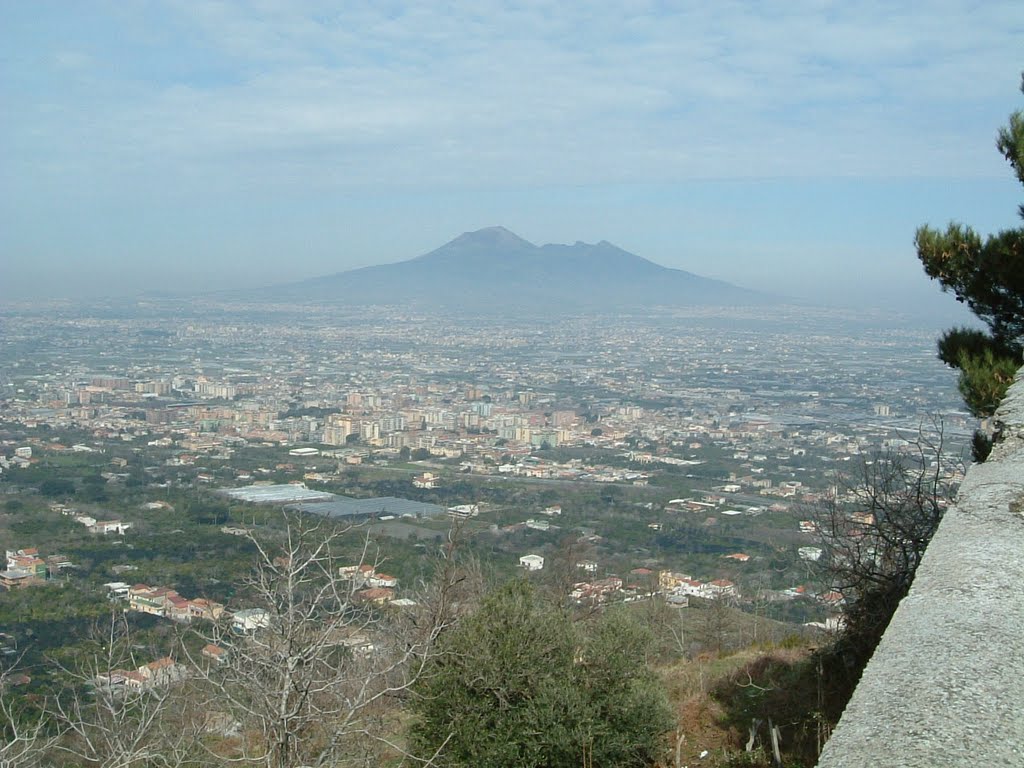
(495, 269)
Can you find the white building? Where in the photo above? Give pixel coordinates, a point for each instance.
(117, 589)
(463, 511)
(719, 588)
(810, 553)
(250, 619)
(531, 562)
(110, 526)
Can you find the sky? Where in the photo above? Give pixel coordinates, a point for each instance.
(789, 146)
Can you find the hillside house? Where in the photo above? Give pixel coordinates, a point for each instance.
(167, 603)
(377, 595)
(359, 574)
(110, 526)
(117, 590)
(215, 653)
(426, 480)
(720, 588)
(57, 563)
(599, 591)
(378, 580)
(26, 568)
(463, 511)
(152, 600)
(250, 619)
(27, 561)
(670, 580)
(157, 673)
(531, 562)
(203, 608)
(17, 579)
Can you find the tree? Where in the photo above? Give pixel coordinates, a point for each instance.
(56, 486)
(518, 683)
(988, 276)
(318, 669)
(717, 624)
(874, 531)
(102, 720)
(24, 739)
(628, 710)
(561, 569)
(315, 680)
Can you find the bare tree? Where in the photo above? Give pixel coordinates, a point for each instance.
(758, 604)
(717, 625)
(24, 739)
(314, 670)
(875, 527)
(122, 710)
(561, 571)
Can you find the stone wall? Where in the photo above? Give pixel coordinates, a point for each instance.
(946, 684)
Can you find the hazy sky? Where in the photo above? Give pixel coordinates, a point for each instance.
(792, 146)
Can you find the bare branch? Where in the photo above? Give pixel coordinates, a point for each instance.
(316, 671)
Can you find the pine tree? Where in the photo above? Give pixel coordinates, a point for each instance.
(986, 274)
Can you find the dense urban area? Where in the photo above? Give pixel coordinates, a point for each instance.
(675, 461)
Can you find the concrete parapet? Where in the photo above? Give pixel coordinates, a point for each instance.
(944, 685)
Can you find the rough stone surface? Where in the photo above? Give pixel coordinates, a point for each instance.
(944, 687)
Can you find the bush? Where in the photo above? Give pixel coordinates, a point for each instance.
(519, 684)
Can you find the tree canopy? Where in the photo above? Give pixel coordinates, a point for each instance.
(518, 683)
(986, 274)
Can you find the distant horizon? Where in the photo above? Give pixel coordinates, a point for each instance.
(937, 307)
(931, 304)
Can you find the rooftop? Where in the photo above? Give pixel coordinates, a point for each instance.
(277, 494)
(341, 506)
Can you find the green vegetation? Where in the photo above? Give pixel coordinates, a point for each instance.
(601, 677)
(544, 691)
(987, 274)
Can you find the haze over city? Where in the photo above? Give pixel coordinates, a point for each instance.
(200, 146)
(502, 383)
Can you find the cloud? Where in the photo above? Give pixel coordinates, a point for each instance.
(551, 92)
(189, 117)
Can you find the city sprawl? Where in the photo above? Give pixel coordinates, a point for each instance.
(660, 457)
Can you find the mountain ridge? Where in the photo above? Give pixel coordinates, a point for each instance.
(494, 268)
